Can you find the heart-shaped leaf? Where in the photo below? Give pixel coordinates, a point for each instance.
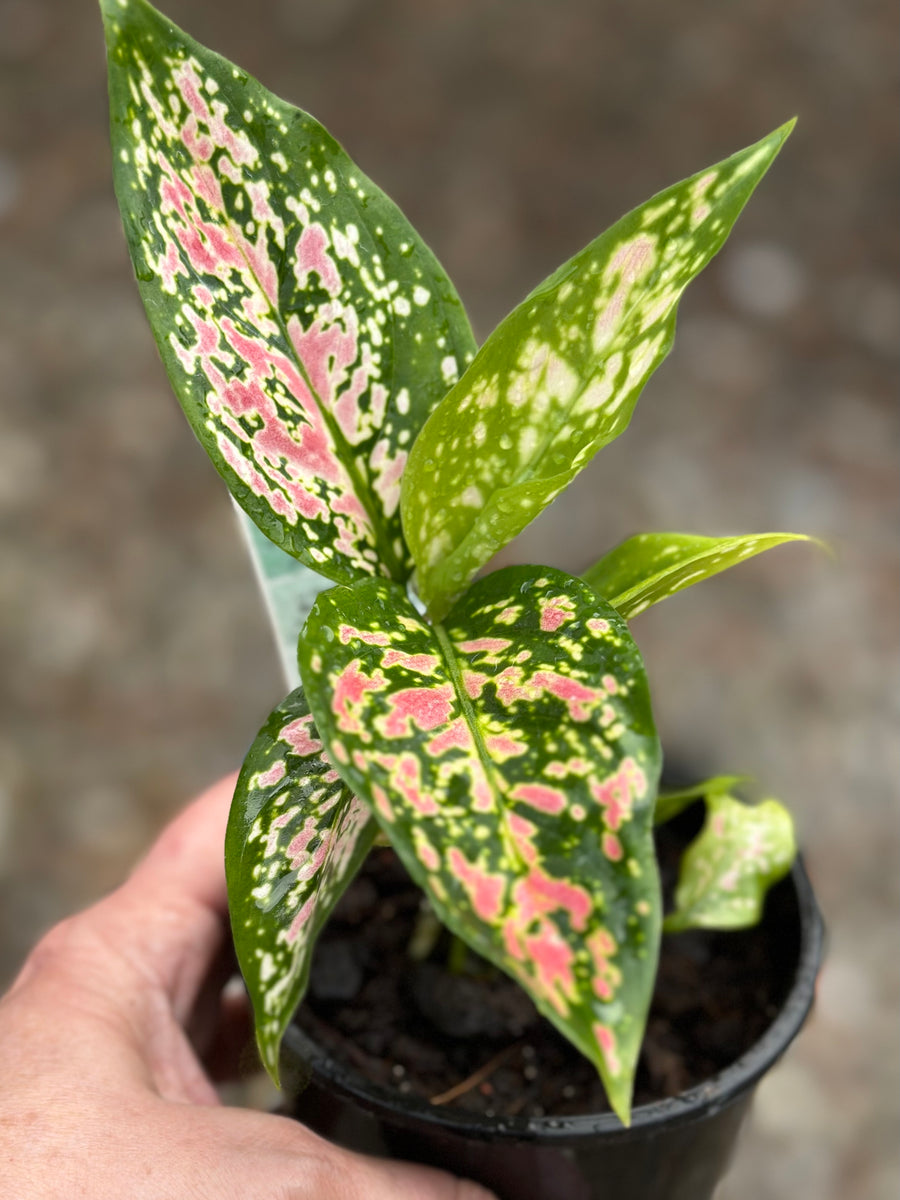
(296, 837)
(647, 568)
(726, 871)
(559, 377)
(306, 328)
(515, 774)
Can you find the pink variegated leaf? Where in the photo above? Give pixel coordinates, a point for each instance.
(296, 837)
(511, 758)
(648, 567)
(726, 871)
(559, 377)
(306, 328)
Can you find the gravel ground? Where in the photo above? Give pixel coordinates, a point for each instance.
(136, 661)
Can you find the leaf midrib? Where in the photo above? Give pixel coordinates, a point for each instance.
(471, 718)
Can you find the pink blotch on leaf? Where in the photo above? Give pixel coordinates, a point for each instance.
(606, 1040)
(348, 688)
(297, 736)
(597, 625)
(473, 682)
(312, 255)
(425, 664)
(502, 746)
(424, 707)
(300, 921)
(552, 960)
(407, 779)
(539, 893)
(612, 847)
(578, 698)
(382, 803)
(554, 612)
(485, 644)
(274, 775)
(347, 633)
(485, 891)
(538, 795)
(617, 793)
(456, 736)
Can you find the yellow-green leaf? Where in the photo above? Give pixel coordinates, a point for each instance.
(559, 378)
(647, 568)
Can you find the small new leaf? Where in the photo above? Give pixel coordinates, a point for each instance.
(511, 758)
(296, 837)
(559, 378)
(726, 871)
(647, 568)
(306, 328)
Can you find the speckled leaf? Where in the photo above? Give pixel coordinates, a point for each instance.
(288, 589)
(306, 328)
(726, 871)
(651, 566)
(296, 837)
(511, 758)
(558, 379)
(670, 803)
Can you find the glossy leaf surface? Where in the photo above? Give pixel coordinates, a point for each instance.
(559, 378)
(726, 871)
(511, 758)
(651, 566)
(306, 328)
(296, 837)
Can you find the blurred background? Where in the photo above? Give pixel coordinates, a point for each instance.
(136, 663)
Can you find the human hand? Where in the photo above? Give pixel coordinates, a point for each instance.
(104, 1093)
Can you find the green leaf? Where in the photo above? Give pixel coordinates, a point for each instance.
(670, 803)
(296, 837)
(306, 328)
(515, 774)
(647, 568)
(288, 588)
(728, 868)
(559, 377)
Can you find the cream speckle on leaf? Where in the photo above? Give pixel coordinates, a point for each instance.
(582, 345)
(292, 357)
(468, 717)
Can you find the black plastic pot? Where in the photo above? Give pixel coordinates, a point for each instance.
(678, 1149)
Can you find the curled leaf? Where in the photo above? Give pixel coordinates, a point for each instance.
(647, 568)
(296, 837)
(726, 871)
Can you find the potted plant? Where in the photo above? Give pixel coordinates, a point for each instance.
(495, 731)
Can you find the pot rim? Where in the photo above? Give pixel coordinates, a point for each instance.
(706, 1098)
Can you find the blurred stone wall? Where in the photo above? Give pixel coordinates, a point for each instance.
(136, 664)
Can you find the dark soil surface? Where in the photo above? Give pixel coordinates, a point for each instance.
(474, 1040)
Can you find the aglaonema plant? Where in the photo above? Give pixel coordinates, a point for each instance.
(498, 731)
